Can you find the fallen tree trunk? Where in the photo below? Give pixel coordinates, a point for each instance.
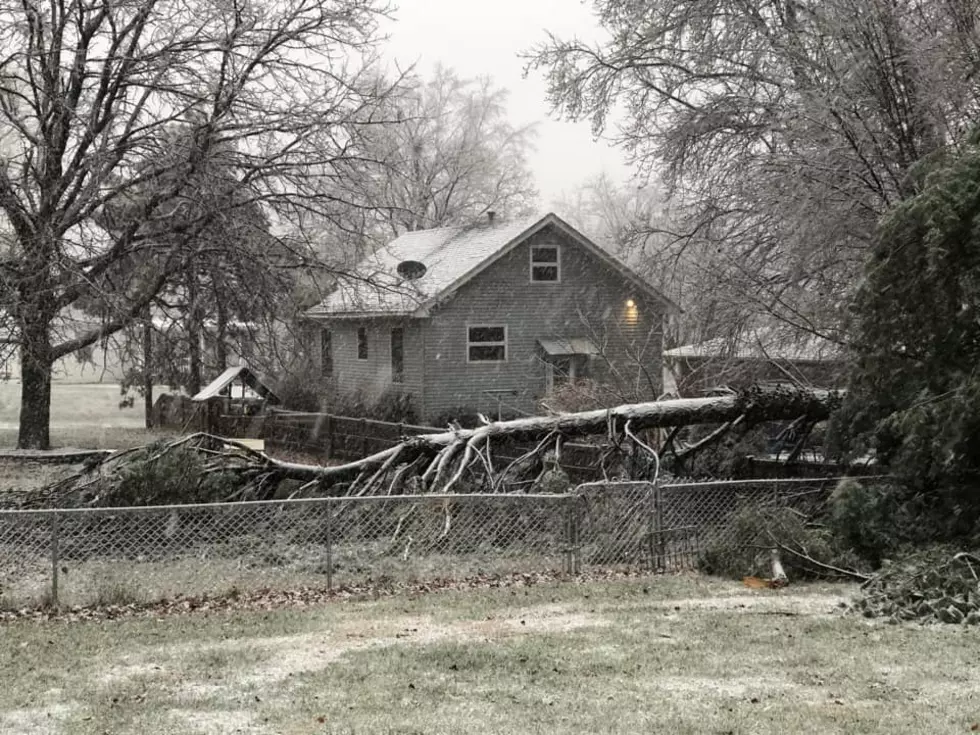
(438, 462)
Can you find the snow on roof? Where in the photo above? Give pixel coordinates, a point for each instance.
(760, 345)
(448, 253)
(560, 347)
(451, 256)
(249, 378)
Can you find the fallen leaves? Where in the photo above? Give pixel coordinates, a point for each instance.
(274, 599)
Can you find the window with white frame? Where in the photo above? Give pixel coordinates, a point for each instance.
(545, 263)
(486, 343)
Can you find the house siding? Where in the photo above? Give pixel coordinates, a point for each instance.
(372, 377)
(589, 301)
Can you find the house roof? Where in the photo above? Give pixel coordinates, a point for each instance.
(761, 344)
(451, 256)
(560, 347)
(249, 378)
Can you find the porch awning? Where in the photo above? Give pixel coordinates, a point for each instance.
(568, 346)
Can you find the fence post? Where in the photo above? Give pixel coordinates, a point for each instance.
(658, 499)
(55, 542)
(571, 535)
(576, 510)
(652, 510)
(329, 540)
(364, 438)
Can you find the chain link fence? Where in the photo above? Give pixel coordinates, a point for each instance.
(118, 555)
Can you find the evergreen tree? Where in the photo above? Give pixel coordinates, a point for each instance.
(914, 392)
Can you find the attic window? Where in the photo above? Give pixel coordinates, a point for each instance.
(545, 264)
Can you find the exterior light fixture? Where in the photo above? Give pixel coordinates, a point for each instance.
(630, 303)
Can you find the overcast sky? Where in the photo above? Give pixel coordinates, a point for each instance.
(484, 37)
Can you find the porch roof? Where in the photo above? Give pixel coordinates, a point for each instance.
(562, 346)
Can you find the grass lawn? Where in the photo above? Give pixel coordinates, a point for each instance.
(669, 654)
(82, 415)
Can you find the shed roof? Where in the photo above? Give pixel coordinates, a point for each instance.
(451, 256)
(760, 344)
(243, 373)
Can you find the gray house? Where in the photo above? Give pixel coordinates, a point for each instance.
(494, 316)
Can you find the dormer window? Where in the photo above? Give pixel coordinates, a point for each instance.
(545, 264)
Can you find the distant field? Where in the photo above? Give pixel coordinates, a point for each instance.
(82, 415)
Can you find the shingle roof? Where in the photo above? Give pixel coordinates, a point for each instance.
(760, 344)
(451, 256)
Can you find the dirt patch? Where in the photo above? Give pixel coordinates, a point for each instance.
(215, 722)
(286, 656)
(46, 720)
(313, 652)
(706, 686)
(765, 602)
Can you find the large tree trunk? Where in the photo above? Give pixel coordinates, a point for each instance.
(438, 462)
(193, 385)
(148, 370)
(220, 348)
(35, 384)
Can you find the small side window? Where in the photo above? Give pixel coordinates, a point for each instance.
(397, 355)
(362, 343)
(326, 353)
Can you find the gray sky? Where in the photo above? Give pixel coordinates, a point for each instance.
(479, 38)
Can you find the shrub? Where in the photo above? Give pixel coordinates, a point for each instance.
(757, 528)
(392, 405)
(300, 391)
(396, 407)
(867, 519)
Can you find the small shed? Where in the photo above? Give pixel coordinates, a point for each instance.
(237, 392)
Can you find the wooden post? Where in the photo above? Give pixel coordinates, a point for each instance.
(55, 561)
(364, 438)
(329, 428)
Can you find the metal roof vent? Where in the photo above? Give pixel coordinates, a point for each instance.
(410, 270)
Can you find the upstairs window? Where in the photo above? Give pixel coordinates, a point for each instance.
(326, 353)
(362, 343)
(486, 343)
(397, 355)
(545, 265)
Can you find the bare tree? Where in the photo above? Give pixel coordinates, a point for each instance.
(783, 128)
(449, 156)
(87, 93)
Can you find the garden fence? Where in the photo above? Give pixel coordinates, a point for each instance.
(75, 557)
